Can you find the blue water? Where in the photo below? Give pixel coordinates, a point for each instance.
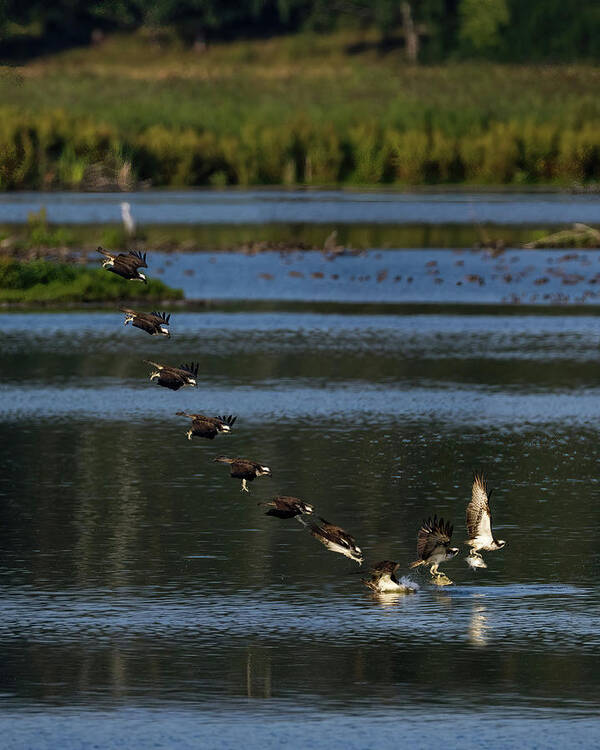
(145, 602)
(303, 206)
(539, 277)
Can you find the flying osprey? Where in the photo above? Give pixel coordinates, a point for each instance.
(479, 524)
(154, 323)
(242, 468)
(336, 539)
(125, 265)
(283, 506)
(207, 427)
(433, 547)
(384, 581)
(174, 377)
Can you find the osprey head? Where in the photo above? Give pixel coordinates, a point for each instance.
(263, 471)
(165, 331)
(451, 552)
(223, 428)
(306, 508)
(499, 543)
(141, 277)
(191, 381)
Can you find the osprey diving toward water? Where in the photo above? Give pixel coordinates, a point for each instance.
(384, 581)
(125, 265)
(207, 427)
(433, 547)
(283, 506)
(174, 377)
(154, 323)
(479, 524)
(242, 468)
(336, 539)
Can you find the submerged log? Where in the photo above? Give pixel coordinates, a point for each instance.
(579, 236)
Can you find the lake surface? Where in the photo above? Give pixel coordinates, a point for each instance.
(143, 595)
(431, 276)
(304, 206)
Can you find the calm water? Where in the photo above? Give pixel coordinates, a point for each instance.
(141, 594)
(301, 206)
(536, 277)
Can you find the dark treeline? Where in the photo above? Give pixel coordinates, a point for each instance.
(430, 30)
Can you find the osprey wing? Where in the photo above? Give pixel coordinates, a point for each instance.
(106, 254)
(334, 533)
(160, 317)
(133, 260)
(186, 371)
(479, 519)
(432, 534)
(385, 567)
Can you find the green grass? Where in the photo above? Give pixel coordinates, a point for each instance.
(294, 110)
(42, 282)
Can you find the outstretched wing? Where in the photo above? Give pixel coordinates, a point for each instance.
(106, 254)
(161, 317)
(157, 365)
(385, 567)
(185, 371)
(133, 260)
(479, 519)
(433, 533)
(334, 533)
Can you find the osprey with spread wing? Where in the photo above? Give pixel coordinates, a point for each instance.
(125, 265)
(433, 546)
(207, 427)
(479, 524)
(174, 378)
(154, 323)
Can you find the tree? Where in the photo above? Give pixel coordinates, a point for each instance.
(481, 22)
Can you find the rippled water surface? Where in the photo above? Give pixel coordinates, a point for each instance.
(141, 591)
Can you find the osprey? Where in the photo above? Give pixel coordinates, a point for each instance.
(125, 265)
(207, 427)
(283, 506)
(242, 468)
(433, 547)
(479, 524)
(174, 377)
(384, 581)
(154, 323)
(336, 540)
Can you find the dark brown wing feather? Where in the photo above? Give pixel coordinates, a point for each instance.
(334, 533)
(432, 533)
(385, 567)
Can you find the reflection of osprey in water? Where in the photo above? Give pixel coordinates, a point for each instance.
(433, 546)
(478, 626)
(384, 581)
(479, 524)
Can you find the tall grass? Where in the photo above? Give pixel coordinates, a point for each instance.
(39, 153)
(291, 111)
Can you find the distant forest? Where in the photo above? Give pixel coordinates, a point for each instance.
(429, 30)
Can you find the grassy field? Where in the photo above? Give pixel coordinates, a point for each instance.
(297, 110)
